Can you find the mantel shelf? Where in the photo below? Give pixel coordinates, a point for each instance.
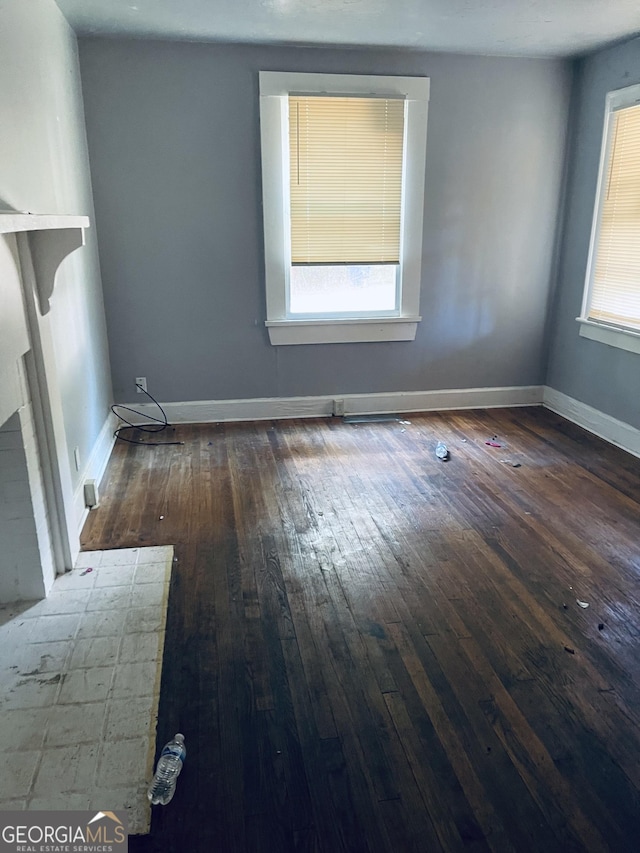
(50, 238)
(12, 222)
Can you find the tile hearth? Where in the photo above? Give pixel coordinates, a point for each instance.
(79, 686)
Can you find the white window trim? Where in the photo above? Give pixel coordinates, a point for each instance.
(610, 335)
(275, 87)
(605, 333)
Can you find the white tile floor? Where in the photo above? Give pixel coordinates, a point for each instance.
(79, 686)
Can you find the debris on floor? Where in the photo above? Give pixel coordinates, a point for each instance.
(492, 443)
(169, 767)
(601, 626)
(583, 604)
(442, 452)
(86, 572)
(565, 606)
(570, 650)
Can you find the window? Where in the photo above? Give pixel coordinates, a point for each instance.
(343, 190)
(611, 305)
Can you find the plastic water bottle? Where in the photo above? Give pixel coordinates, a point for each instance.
(170, 763)
(442, 452)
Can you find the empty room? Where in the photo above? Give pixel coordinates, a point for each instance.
(320, 425)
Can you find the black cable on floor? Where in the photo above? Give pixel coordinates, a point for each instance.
(162, 423)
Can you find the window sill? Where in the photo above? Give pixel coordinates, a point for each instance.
(613, 337)
(290, 332)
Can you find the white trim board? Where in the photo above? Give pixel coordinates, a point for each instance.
(616, 432)
(274, 408)
(94, 469)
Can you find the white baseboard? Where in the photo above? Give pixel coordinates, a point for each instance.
(94, 468)
(604, 426)
(274, 408)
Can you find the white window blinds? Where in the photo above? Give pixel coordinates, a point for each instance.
(345, 156)
(615, 291)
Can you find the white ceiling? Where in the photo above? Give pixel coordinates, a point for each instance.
(508, 27)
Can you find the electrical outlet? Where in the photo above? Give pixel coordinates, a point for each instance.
(141, 384)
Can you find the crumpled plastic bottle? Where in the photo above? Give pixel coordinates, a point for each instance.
(442, 451)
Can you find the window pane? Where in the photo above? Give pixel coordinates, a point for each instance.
(342, 289)
(615, 296)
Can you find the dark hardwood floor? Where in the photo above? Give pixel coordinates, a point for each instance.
(371, 650)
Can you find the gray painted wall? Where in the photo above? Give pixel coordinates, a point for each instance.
(600, 376)
(173, 133)
(44, 169)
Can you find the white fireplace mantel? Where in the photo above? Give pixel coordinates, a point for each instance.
(12, 221)
(32, 247)
(51, 238)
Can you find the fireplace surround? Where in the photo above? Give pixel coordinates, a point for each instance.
(38, 528)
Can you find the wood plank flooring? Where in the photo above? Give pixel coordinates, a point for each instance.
(372, 650)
